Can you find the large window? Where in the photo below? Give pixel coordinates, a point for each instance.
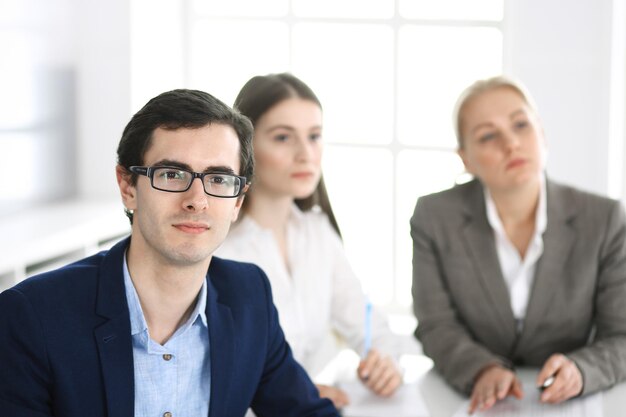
(37, 134)
(387, 73)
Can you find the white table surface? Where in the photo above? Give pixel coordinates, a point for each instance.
(443, 401)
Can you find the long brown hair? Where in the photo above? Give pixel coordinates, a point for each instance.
(263, 92)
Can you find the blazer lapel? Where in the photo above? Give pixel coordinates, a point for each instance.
(113, 337)
(557, 244)
(222, 341)
(479, 242)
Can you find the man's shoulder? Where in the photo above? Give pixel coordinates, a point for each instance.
(71, 275)
(61, 295)
(226, 274)
(73, 281)
(228, 266)
(239, 285)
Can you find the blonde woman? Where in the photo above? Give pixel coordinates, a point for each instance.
(514, 269)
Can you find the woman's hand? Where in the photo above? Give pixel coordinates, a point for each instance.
(568, 381)
(379, 373)
(494, 383)
(338, 397)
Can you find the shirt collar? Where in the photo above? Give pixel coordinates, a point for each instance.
(541, 215)
(138, 322)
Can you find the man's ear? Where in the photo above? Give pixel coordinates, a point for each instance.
(127, 190)
(237, 208)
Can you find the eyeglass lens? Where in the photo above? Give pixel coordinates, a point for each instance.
(170, 179)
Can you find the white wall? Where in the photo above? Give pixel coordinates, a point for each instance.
(64, 97)
(617, 151)
(562, 50)
(119, 42)
(37, 105)
(104, 93)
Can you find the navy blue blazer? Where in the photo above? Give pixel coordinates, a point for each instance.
(66, 349)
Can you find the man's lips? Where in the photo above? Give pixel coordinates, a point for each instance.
(193, 228)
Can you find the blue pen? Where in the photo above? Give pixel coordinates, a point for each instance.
(367, 344)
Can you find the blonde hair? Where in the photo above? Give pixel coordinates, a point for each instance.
(481, 86)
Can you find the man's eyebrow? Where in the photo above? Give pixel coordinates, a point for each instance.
(221, 169)
(172, 163)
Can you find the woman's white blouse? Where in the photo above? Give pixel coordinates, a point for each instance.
(319, 293)
(518, 272)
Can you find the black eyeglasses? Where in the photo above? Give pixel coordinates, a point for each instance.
(178, 180)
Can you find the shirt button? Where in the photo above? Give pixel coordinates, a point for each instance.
(167, 414)
(167, 357)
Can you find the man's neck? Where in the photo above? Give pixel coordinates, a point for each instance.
(167, 292)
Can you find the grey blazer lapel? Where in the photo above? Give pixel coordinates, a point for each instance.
(558, 240)
(479, 242)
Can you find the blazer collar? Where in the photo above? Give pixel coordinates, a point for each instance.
(480, 244)
(558, 240)
(222, 341)
(111, 300)
(113, 337)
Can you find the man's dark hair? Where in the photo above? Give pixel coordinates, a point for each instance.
(178, 109)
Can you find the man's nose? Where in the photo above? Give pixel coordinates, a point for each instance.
(195, 197)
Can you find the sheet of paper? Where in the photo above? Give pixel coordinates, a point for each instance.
(529, 406)
(406, 402)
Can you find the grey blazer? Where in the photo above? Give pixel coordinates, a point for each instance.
(577, 304)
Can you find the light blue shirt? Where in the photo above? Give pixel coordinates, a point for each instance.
(173, 379)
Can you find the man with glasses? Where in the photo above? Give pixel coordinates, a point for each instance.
(143, 329)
